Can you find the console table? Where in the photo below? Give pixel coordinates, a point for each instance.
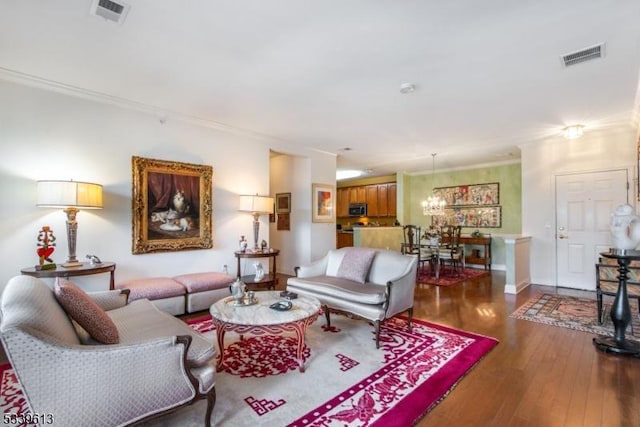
(481, 258)
(84, 269)
(270, 278)
(620, 310)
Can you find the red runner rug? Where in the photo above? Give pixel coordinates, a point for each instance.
(347, 381)
(448, 276)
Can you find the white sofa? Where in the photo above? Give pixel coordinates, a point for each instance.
(158, 364)
(374, 292)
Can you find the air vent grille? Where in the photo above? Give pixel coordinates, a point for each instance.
(110, 10)
(593, 52)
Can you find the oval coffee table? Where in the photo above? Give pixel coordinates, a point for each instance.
(259, 319)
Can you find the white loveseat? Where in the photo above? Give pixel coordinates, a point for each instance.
(158, 364)
(346, 280)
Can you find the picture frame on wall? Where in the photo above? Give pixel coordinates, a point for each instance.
(283, 203)
(470, 194)
(171, 206)
(476, 217)
(323, 203)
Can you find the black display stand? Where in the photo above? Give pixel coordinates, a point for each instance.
(620, 310)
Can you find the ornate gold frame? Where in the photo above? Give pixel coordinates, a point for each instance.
(146, 238)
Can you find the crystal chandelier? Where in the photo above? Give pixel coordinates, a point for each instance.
(434, 205)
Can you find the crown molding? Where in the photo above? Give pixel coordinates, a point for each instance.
(163, 114)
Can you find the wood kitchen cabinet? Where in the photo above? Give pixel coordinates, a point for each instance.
(344, 239)
(380, 199)
(343, 202)
(372, 200)
(391, 199)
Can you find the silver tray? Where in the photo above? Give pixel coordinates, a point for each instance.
(244, 302)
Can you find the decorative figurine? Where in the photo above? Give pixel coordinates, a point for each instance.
(259, 271)
(94, 260)
(46, 247)
(243, 244)
(625, 228)
(263, 245)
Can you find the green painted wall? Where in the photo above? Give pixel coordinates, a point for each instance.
(417, 187)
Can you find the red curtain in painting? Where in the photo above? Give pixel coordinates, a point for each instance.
(163, 187)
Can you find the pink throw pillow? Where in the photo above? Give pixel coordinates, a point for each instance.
(355, 264)
(81, 308)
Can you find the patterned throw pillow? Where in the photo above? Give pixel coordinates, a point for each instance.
(81, 308)
(355, 264)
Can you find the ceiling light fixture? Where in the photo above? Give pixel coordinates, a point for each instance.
(573, 132)
(434, 205)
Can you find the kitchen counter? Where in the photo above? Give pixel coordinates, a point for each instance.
(378, 237)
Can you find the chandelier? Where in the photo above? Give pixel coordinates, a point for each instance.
(434, 205)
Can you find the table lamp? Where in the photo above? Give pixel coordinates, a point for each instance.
(71, 196)
(256, 205)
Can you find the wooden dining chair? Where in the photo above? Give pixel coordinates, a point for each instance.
(451, 252)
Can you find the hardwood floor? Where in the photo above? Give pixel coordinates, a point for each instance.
(538, 375)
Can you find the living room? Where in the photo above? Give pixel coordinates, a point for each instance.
(54, 127)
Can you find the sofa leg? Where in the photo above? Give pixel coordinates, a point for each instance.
(326, 315)
(376, 325)
(409, 317)
(211, 402)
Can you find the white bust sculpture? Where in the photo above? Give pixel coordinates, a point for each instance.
(625, 228)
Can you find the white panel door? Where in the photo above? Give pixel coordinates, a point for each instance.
(584, 203)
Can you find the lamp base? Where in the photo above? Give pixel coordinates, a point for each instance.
(72, 264)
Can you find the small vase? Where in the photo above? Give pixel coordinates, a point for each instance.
(243, 244)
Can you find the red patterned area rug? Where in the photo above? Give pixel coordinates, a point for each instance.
(448, 276)
(347, 381)
(580, 314)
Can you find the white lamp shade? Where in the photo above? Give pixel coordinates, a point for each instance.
(64, 194)
(256, 204)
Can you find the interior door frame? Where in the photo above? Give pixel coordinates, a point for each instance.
(633, 196)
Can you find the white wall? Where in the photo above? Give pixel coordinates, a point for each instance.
(541, 162)
(48, 135)
(305, 241)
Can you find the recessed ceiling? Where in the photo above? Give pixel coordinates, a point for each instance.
(327, 74)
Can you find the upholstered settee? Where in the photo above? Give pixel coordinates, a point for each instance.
(369, 283)
(186, 293)
(154, 364)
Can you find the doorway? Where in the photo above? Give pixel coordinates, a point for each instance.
(584, 202)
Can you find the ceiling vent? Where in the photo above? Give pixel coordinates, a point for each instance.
(110, 10)
(587, 54)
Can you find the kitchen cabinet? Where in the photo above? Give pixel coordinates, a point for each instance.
(344, 239)
(391, 199)
(380, 199)
(372, 200)
(342, 195)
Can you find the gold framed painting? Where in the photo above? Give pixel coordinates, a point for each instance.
(323, 203)
(171, 206)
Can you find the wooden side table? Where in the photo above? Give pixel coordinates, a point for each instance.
(85, 269)
(270, 279)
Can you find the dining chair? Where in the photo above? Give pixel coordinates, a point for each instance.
(411, 242)
(451, 252)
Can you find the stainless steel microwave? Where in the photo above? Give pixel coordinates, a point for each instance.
(357, 209)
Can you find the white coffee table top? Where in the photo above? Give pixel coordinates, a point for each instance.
(260, 313)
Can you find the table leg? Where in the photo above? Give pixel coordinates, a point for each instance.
(300, 328)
